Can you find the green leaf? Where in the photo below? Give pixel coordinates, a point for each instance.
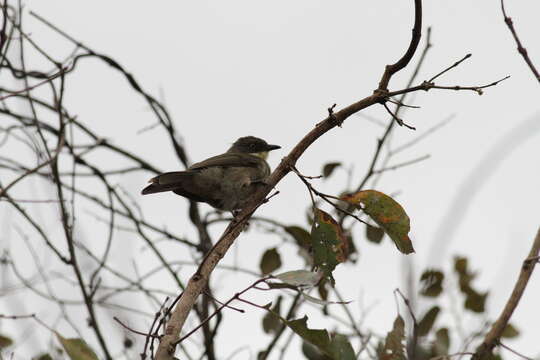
(300, 235)
(43, 357)
(425, 325)
(374, 234)
(441, 345)
(322, 289)
(5, 342)
(299, 278)
(341, 348)
(329, 243)
(128, 343)
(352, 251)
(510, 332)
(431, 281)
(311, 352)
(388, 214)
(270, 261)
(465, 277)
(317, 337)
(394, 347)
(336, 347)
(271, 322)
(77, 349)
(475, 301)
(329, 168)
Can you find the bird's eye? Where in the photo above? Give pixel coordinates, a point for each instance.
(251, 146)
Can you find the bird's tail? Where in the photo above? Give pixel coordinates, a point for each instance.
(166, 182)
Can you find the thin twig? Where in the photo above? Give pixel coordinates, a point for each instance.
(450, 67)
(521, 49)
(514, 351)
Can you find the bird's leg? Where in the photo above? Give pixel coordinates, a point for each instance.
(235, 219)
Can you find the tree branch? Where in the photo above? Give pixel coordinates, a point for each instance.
(492, 337)
(199, 280)
(520, 48)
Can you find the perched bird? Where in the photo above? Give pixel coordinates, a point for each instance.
(225, 181)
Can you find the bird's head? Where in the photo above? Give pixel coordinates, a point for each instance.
(253, 146)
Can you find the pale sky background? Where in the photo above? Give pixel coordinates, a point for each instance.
(226, 69)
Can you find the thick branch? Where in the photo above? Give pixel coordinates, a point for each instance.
(492, 337)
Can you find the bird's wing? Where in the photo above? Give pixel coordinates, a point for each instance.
(228, 160)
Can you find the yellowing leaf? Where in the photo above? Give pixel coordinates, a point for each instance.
(510, 332)
(387, 213)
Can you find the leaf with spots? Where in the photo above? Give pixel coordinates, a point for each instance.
(387, 213)
(330, 246)
(394, 346)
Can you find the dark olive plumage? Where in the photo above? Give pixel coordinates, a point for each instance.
(225, 181)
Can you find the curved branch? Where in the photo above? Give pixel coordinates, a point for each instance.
(199, 280)
(406, 58)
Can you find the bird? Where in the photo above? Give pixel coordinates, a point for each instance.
(226, 181)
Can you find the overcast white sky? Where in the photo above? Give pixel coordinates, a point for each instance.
(271, 69)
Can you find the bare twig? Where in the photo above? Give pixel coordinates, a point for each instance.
(450, 68)
(403, 164)
(414, 338)
(130, 329)
(520, 48)
(514, 351)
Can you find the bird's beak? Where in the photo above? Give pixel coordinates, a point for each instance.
(273, 147)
